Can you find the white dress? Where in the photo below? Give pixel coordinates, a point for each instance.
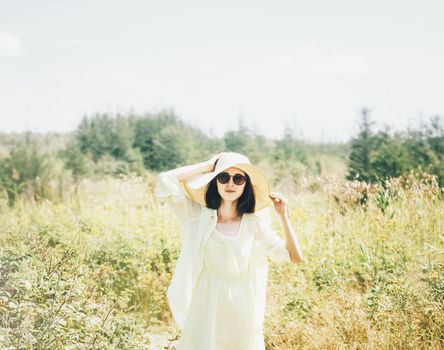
(222, 310)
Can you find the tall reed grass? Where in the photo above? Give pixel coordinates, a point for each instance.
(91, 272)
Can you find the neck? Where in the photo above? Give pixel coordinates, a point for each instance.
(227, 211)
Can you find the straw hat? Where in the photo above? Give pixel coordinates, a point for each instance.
(196, 187)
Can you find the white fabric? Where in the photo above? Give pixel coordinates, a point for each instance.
(222, 310)
(259, 242)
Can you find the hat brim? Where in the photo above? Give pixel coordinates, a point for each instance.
(196, 187)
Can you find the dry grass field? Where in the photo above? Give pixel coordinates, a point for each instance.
(91, 271)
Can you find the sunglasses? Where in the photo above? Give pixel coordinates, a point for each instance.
(238, 179)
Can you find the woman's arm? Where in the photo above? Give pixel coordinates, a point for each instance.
(168, 189)
(188, 171)
(291, 240)
(280, 204)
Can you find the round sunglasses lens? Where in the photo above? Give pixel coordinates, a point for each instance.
(238, 179)
(223, 178)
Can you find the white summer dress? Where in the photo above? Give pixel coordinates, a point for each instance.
(222, 310)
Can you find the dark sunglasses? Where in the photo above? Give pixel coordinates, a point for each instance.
(238, 179)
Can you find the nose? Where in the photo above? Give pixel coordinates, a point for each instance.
(230, 184)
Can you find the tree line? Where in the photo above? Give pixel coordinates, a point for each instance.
(374, 156)
(103, 144)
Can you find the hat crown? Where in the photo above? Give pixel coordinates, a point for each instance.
(228, 159)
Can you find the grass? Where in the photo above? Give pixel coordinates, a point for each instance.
(91, 271)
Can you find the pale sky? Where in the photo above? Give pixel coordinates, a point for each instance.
(311, 64)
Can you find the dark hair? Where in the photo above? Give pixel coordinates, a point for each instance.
(245, 204)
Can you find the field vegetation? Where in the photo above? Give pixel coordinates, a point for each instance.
(87, 252)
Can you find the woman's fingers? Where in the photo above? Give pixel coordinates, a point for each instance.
(275, 198)
(212, 161)
(278, 197)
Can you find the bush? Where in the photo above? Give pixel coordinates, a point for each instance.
(28, 170)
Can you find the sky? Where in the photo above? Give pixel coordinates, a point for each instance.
(311, 65)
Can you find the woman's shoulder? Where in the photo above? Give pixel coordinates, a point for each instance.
(254, 220)
(253, 217)
(262, 215)
(204, 213)
(262, 219)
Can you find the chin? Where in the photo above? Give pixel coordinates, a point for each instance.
(230, 198)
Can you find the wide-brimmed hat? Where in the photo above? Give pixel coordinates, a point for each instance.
(196, 187)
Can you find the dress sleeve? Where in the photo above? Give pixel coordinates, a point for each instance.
(169, 191)
(275, 246)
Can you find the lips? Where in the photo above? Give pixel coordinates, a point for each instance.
(229, 191)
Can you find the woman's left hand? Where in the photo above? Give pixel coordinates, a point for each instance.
(279, 202)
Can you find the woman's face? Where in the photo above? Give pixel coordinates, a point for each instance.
(230, 191)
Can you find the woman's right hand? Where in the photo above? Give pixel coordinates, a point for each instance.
(212, 161)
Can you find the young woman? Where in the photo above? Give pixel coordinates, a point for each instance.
(218, 289)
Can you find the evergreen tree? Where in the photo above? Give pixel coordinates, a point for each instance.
(104, 135)
(434, 134)
(289, 149)
(391, 157)
(80, 164)
(164, 141)
(361, 148)
(238, 140)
